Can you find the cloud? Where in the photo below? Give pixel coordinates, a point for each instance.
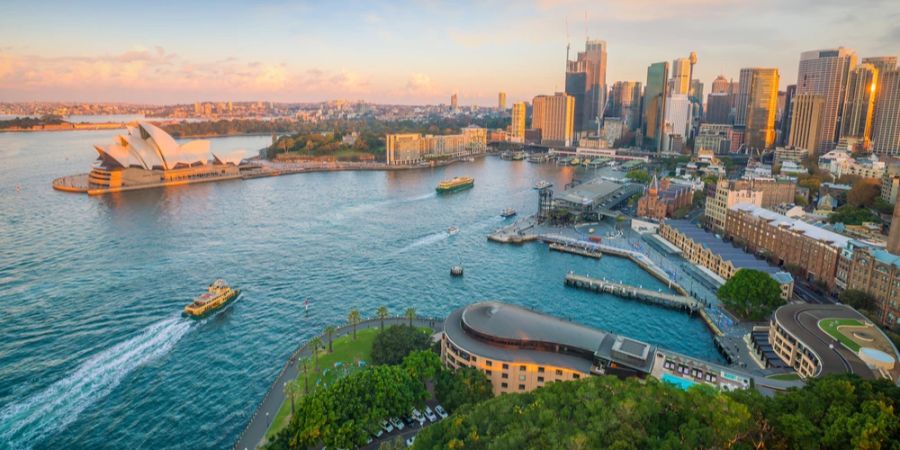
(419, 84)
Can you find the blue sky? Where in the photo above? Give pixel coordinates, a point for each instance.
(401, 52)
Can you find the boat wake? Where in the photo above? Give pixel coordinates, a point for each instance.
(24, 423)
(426, 240)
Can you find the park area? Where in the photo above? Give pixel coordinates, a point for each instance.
(832, 327)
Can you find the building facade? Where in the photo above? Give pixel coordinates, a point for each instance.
(414, 148)
(625, 102)
(825, 73)
(592, 63)
(757, 105)
(654, 105)
(886, 132)
(715, 137)
(501, 101)
(762, 192)
(663, 198)
(806, 118)
(790, 242)
(718, 108)
(554, 115)
(856, 117)
(517, 124)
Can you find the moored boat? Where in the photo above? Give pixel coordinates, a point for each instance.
(455, 184)
(508, 212)
(452, 230)
(217, 296)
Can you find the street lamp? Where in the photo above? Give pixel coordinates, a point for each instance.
(267, 419)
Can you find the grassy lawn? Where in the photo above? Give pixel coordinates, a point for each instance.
(830, 326)
(784, 377)
(346, 351)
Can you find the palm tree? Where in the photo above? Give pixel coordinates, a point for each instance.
(329, 331)
(304, 364)
(410, 314)
(382, 314)
(289, 389)
(354, 319)
(316, 343)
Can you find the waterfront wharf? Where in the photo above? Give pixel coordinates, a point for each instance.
(255, 431)
(576, 250)
(674, 301)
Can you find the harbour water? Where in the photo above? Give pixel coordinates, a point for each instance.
(95, 355)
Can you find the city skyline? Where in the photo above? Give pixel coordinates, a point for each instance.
(414, 53)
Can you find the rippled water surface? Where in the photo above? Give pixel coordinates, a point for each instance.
(93, 351)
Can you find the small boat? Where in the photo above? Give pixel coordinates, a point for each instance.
(542, 184)
(575, 162)
(217, 296)
(452, 230)
(456, 271)
(508, 212)
(455, 184)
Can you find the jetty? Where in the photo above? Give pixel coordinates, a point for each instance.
(577, 250)
(674, 301)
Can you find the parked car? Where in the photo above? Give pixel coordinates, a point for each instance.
(387, 427)
(398, 424)
(379, 433)
(410, 440)
(440, 411)
(418, 416)
(430, 414)
(409, 420)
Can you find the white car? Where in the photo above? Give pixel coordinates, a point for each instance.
(440, 411)
(417, 415)
(379, 433)
(410, 440)
(398, 424)
(430, 414)
(387, 427)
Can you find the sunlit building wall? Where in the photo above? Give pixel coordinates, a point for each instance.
(806, 117)
(825, 72)
(554, 115)
(856, 120)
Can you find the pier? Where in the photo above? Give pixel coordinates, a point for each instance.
(674, 301)
(581, 251)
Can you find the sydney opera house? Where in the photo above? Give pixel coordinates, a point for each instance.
(148, 157)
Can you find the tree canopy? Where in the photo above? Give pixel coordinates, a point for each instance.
(639, 175)
(852, 215)
(837, 412)
(463, 386)
(864, 192)
(751, 294)
(857, 299)
(395, 342)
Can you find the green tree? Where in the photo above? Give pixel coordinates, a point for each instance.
(410, 315)
(751, 294)
(329, 333)
(852, 215)
(316, 344)
(466, 385)
(422, 365)
(354, 319)
(303, 367)
(395, 342)
(857, 299)
(800, 200)
(290, 388)
(883, 206)
(638, 175)
(864, 192)
(382, 314)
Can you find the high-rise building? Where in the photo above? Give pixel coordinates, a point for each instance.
(625, 102)
(825, 72)
(681, 81)
(720, 85)
(677, 114)
(718, 108)
(806, 118)
(856, 119)
(715, 137)
(785, 121)
(886, 137)
(501, 101)
(882, 64)
(554, 115)
(592, 63)
(454, 103)
(575, 86)
(517, 126)
(696, 93)
(652, 121)
(757, 104)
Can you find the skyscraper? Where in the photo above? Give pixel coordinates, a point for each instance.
(517, 125)
(454, 103)
(757, 104)
(625, 102)
(720, 85)
(856, 119)
(681, 81)
(806, 118)
(825, 72)
(718, 108)
(883, 64)
(677, 114)
(575, 86)
(554, 115)
(592, 63)
(789, 94)
(654, 105)
(886, 137)
(501, 101)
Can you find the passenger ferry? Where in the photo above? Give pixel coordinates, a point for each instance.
(455, 184)
(217, 296)
(508, 212)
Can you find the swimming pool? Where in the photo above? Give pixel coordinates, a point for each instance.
(680, 382)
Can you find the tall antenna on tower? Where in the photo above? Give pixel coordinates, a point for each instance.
(567, 43)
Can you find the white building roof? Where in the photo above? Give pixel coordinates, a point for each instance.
(834, 239)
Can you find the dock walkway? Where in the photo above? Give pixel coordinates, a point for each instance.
(674, 301)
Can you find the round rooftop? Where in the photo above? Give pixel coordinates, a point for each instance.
(876, 358)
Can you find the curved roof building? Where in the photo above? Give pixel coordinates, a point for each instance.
(149, 147)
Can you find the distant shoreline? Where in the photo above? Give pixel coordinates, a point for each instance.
(120, 126)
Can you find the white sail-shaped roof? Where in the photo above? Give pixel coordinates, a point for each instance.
(148, 146)
(233, 157)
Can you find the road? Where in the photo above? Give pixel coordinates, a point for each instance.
(256, 429)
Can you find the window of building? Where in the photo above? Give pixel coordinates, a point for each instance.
(540, 370)
(558, 372)
(488, 363)
(522, 368)
(540, 379)
(504, 376)
(488, 372)
(521, 377)
(521, 387)
(576, 376)
(504, 385)
(505, 366)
